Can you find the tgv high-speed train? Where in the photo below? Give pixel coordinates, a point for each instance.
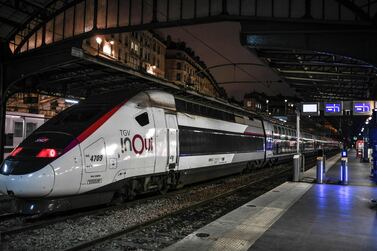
(120, 144)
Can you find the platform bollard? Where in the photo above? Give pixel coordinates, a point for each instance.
(344, 168)
(296, 167)
(320, 168)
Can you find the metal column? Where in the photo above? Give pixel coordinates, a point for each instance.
(373, 144)
(5, 53)
(297, 158)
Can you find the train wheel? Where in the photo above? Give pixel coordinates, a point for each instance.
(163, 186)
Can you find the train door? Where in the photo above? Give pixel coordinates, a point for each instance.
(95, 164)
(172, 134)
(161, 144)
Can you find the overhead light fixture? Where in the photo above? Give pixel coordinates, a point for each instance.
(107, 49)
(71, 101)
(98, 40)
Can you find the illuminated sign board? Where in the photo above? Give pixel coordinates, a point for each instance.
(333, 109)
(310, 109)
(363, 107)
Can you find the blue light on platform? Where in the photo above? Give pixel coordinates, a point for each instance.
(344, 153)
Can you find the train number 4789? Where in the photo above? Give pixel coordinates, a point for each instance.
(94, 158)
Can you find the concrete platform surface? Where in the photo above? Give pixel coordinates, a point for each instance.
(298, 216)
(327, 217)
(239, 229)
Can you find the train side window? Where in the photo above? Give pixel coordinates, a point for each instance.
(30, 127)
(18, 129)
(142, 119)
(9, 139)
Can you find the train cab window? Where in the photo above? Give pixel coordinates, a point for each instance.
(142, 119)
(18, 129)
(275, 130)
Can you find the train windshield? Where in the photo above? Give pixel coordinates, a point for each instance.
(51, 139)
(75, 119)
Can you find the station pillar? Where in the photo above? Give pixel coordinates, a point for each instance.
(373, 144)
(321, 168)
(297, 158)
(366, 136)
(5, 54)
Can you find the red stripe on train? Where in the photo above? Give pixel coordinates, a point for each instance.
(93, 127)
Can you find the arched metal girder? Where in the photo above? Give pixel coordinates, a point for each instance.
(358, 10)
(84, 18)
(347, 41)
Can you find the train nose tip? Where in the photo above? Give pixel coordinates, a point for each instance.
(35, 184)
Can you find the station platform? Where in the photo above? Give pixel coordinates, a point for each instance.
(298, 216)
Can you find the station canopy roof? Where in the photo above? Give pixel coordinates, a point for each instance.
(18, 17)
(321, 76)
(314, 75)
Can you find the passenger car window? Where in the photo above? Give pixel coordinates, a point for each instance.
(18, 129)
(30, 127)
(142, 119)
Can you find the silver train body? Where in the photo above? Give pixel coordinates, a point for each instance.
(117, 145)
(18, 126)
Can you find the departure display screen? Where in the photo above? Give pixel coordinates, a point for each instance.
(333, 109)
(310, 109)
(362, 107)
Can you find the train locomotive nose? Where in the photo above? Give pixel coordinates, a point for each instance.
(35, 184)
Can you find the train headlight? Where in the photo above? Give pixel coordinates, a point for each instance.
(6, 169)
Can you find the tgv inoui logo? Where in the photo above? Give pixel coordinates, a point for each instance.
(362, 107)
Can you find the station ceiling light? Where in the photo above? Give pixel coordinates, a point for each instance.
(98, 40)
(71, 101)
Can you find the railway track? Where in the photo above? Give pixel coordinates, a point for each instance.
(7, 216)
(35, 222)
(92, 243)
